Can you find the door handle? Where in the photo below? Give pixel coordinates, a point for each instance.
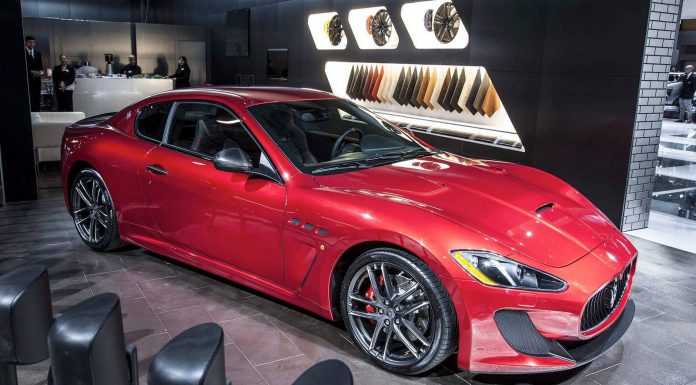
(156, 169)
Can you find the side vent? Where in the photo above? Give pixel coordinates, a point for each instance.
(544, 208)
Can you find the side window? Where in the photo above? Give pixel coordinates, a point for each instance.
(152, 120)
(207, 129)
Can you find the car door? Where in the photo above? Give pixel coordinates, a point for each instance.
(235, 218)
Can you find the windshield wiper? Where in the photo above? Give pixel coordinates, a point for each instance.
(341, 166)
(404, 154)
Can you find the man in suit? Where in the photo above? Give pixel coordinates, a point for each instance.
(34, 72)
(687, 94)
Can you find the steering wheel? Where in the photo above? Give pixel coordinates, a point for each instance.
(339, 142)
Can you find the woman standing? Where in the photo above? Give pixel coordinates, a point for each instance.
(182, 74)
(63, 84)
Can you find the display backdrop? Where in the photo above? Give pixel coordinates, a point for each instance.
(567, 71)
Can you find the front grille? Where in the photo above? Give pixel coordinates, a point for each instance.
(603, 304)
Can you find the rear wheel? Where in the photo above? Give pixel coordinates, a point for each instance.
(93, 211)
(398, 312)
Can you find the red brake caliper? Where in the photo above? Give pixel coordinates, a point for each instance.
(370, 294)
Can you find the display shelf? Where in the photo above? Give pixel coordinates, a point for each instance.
(454, 101)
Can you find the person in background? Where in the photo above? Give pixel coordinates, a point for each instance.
(34, 72)
(182, 74)
(687, 94)
(63, 84)
(132, 68)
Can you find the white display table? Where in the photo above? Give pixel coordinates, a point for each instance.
(95, 96)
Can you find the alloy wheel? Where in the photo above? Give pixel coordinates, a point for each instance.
(391, 314)
(91, 209)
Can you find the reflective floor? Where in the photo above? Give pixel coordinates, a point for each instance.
(268, 342)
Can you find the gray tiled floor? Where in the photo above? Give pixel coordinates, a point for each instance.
(270, 343)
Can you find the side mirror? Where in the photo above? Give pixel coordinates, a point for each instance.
(232, 160)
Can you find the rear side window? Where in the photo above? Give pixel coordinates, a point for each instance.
(152, 120)
(205, 129)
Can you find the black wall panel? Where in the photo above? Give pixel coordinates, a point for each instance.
(16, 145)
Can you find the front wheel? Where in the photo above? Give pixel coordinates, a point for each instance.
(398, 312)
(93, 212)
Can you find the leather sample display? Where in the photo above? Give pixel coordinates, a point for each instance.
(443, 90)
(423, 88)
(483, 90)
(491, 103)
(366, 85)
(473, 93)
(404, 89)
(453, 89)
(411, 87)
(378, 82)
(470, 73)
(450, 91)
(456, 101)
(399, 85)
(351, 80)
(416, 89)
(427, 98)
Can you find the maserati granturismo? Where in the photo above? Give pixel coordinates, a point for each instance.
(325, 205)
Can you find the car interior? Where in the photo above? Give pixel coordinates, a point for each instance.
(207, 129)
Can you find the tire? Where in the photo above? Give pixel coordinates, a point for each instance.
(96, 223)
(413, 286)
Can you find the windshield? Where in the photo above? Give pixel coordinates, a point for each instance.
(329, 136)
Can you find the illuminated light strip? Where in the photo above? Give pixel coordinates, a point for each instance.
(471, 269)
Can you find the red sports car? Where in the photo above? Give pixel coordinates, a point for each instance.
(319, 202)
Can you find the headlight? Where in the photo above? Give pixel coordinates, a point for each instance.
(495, 270)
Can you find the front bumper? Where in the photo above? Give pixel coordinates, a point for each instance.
(517, 331)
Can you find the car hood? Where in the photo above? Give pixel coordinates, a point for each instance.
(541, 223)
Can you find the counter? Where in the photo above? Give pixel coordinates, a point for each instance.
(95, 96)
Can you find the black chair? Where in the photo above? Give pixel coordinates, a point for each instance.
(332, 372)
(86, 345)
(25, 318)
(194, 357)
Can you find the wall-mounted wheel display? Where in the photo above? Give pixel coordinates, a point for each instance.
(446, 23)
(428, 20)
(435, 24)
(327, 31)
(334, 30)
(381, 27)
(373, 28)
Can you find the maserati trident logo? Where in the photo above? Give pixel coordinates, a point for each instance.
(610, 293)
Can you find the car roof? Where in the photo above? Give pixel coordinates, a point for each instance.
(257, 95)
